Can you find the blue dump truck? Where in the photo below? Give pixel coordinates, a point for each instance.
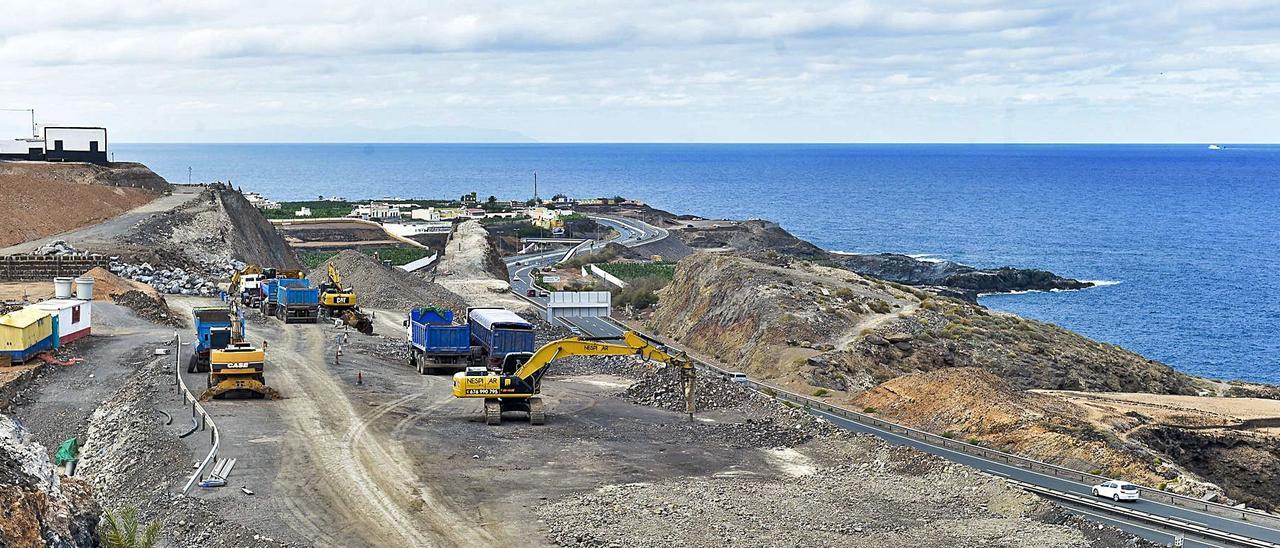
(216, 329)
(436, 344)
(271, 293)
(499, 332)
(297, 304)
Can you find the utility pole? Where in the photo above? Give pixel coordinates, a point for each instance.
(188, 175)
(535, 188)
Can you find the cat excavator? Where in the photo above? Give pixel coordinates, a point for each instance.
(518, 385)
(341, 302)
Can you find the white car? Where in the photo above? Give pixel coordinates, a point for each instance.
(737, 376)
(1116, 490)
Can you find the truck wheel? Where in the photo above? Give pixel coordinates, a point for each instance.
(492, 412)
(191, 364)
(537, 415)
(413, 357)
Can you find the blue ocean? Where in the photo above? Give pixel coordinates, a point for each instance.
(1186, 239)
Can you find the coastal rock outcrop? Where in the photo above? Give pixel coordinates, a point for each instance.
(967, 279)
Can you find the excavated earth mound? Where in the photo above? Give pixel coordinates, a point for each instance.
(379, 286)
(210, 234)
(82, 194)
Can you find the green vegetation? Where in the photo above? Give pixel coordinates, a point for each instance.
(821, 393)
(879, 307)
(974, 441)
(640, 293)
(844, 293)
(602, 256)
(634, 271)
(319, 209)
(869, 410)
(397, 255)
(122, 530)
(949, 434)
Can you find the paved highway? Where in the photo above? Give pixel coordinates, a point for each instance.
(634, 232)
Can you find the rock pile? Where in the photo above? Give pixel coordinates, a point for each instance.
(41, 507)
(58, 247)
(178, 281)
(384, 287)
(148, 307)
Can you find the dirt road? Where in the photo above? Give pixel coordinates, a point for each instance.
(334, 480)
(90, 236)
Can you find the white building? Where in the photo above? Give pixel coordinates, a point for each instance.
(302, 212)
(425, 214)
(74, 317)
(376, 211)
(75, 144)
(414, 228)
(261, 202)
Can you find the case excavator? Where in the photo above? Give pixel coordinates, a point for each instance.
(341, 302)
(518, 385)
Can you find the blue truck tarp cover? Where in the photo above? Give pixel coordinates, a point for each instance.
(431, 330)
(290, 296)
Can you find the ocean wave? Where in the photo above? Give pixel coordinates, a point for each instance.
(926, 257)
(1102, 283)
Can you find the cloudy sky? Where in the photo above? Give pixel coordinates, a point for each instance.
(772, 71)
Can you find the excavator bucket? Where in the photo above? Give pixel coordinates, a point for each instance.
(357, 320)
(251, 385)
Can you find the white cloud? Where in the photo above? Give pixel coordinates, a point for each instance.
(580, 70)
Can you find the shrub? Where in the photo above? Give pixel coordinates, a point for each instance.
(869, 410)
(821, 392)
(121, 531)
(879, 307)
(949, 434)
(973, 441)
(844, 293)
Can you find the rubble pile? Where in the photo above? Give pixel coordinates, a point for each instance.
(41, 508)
(151, 308)
(879, 496)
(663, 388)
(133, 460)
(58, 247)
(384, 287)
(178, 281)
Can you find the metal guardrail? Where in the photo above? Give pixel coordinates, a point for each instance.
(197, 411)
(1185, 528)
(569, 255)
(1033, 465)
(1148, 493)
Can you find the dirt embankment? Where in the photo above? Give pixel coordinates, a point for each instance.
(44, 199)
(472, 268)
(838, 330)
(209, 234)
(384, 287)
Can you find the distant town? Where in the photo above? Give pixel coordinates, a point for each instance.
(408, 217)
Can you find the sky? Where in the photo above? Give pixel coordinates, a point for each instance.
(637, 71)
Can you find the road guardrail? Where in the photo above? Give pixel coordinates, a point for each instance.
(197, 412)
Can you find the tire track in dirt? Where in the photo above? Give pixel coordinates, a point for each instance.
(341, 470)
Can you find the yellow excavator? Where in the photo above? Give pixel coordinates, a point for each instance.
(517, 386)
(238, 370)
(341, 302)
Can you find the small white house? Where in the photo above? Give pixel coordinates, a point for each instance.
(302, 212)
(74, 317)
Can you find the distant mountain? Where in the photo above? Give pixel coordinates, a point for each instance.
(342, 134)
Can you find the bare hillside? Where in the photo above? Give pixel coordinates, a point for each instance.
(839, 330)
(80, 194)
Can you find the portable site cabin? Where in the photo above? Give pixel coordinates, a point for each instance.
(73, 317)
(26, 332)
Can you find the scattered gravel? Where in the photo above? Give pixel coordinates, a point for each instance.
(384, 287)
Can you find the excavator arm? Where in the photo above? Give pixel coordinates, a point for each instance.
(335, 278)
(519, 390)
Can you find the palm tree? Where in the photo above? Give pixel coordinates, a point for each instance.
(122, 531)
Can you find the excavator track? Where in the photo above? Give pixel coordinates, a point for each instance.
(492, 412)
(537, 414)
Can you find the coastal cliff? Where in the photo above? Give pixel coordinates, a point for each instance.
(768, 240)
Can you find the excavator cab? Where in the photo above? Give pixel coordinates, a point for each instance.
(514, 361)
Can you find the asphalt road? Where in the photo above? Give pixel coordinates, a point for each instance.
(633, 232)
